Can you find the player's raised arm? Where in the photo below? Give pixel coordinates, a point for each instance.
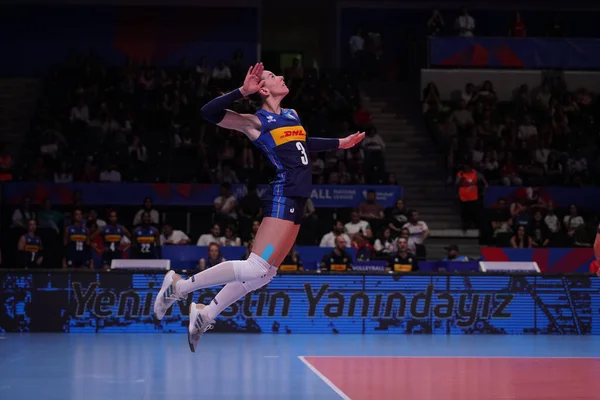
(217, 112)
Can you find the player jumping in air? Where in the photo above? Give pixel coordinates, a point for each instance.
(279, 134)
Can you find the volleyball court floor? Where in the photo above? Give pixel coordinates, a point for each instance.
(230, 366)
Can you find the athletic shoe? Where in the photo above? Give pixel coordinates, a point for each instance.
(166, 297)
(199, 323)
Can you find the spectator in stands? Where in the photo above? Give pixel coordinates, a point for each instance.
(64, 174)
(369, 209)
(254, 230)
(573, 221)
(225, 205)
(39, 170)
(517, 29)
(213, 237)
(221, 75)
(374, 157)
(80, 114)
(453, 254)
(214, 257)
(385, 245)
(527, 130)
(431, 99)
(309, 228)
(110, 174)
(538, 230)
(357, 46)
(137, 150)
(30, 247)
(226, 174)
(435, 24)
(22, 215)
(248, 249)
(358, 230)
(230, 239)
(173, 237)
(419, 232)
(93, 218)
(510, 172)
(491, 167)
(328, 240)
(362, 117)
(521, 240)
(501, 223)
(462, 117)
(147, 207)
(398, 217)
(49, 218)
(464, 23)
(403, 260)
(467, 182)
(338, 259)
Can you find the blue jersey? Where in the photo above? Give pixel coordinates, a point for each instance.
(112, 237)
(76, 239)
(283, 140)
(33, 244)
(145, 238)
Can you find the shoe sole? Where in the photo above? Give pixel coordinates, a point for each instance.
(193, 350)
(161, 293)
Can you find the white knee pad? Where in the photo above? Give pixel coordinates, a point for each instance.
(256, 284)
(251, 269)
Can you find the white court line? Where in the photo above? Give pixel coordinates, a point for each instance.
(475, 357)
(324, 378)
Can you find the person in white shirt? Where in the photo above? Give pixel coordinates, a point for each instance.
(328, 240)
(358, 230)
(551, 220)
(226, 204)
(230, 239)
(154, 215)
(221, 71)
(419, 231)
(386, 245)
(573, 220)
(527, 129)
(110, 174)
(213, 237)
(173, 237)
(80, 113)
(357, 43)
(465, 24)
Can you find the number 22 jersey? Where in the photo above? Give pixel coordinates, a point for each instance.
(283, 140)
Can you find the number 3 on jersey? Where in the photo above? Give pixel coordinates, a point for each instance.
(303, 156)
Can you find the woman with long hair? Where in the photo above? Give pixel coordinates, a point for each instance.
(279, 134)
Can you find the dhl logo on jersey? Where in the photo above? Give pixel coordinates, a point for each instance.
(32, 248)
(145, 239)
(288, 134)
(113, 238)
(78, 238)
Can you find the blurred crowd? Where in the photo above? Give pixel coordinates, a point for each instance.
(544, 136)
(141, 123)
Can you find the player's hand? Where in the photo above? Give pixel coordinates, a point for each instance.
(351, 140)
(252, 82)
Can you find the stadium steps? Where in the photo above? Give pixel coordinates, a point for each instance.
(410, 157)
(18, 97)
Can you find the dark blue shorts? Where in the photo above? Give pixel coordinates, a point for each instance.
(287, 208)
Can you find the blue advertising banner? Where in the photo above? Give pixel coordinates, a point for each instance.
(532, 53)
(317, 303)
(165, 194)
(560, 197)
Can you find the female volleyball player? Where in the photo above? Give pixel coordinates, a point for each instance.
(279, 134)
